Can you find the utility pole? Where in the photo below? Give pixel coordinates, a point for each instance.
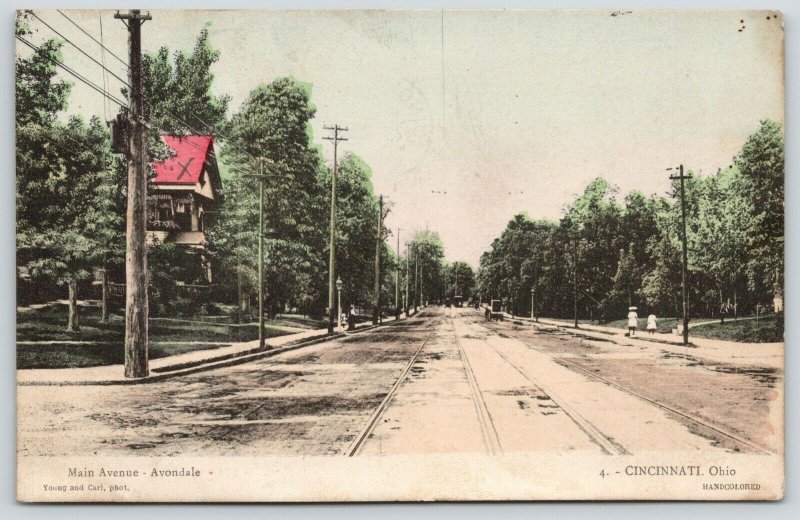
(397, 277)
(684, 292)
(416, 282)
(136, 306)
(534, 316)
(376, 313)
(261, 179)
(575, 279)
(335, 138)
(405, 302)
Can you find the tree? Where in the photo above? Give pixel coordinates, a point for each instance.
(661, 286)
(460, 280)
(356, 212)
(60, 246)
(427, 252)
(718, 243)
(761, 163)
(59, 168)
(593, 226)
(271, 133)
(178, 90)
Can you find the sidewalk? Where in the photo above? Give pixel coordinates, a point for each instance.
(720, 351)
(187, 363)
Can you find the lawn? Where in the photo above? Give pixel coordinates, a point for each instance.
(769, 329)
(765, 330)
(664, 325)
(102, 343)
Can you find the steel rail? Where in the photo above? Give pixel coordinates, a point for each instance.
(358, 442)
(719, 430)
(488, 429)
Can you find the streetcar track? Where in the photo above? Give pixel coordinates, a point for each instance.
(360, 439)
(697, 421)
(254, 409)
(605, 442)
(488, 429)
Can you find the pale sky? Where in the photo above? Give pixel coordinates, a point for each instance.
(469, 117)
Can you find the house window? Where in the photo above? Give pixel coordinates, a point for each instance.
(164, 210)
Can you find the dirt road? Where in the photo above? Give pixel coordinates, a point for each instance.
(475, 388)
(441, 382)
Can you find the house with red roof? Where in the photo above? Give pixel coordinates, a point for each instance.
(184, 192)
(186, 187)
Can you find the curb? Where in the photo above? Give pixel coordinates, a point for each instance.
(192, 367)
(226, 360)
(606, 335)
(610, 335)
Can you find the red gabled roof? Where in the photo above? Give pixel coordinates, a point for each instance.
(186, 166)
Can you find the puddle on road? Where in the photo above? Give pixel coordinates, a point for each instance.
(765, 375)
(282, 407)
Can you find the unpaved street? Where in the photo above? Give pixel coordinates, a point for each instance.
(444, 381)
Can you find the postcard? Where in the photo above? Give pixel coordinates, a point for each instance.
(399, 255)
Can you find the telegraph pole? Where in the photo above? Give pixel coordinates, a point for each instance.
(335, 138)
(136, 306)
(376, 313)
(416, 281)
(684, 291)
(575, 279)
(261, 179)
(405, 302)
(534, 316)
(397, 277)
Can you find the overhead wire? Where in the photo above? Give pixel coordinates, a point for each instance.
(77, 75)
(220, 135)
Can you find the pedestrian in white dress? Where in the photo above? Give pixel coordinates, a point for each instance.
(633, 320)
(652, 324)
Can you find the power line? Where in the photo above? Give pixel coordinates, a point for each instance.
(76, 74)
(106, 106)
(92, 37)
(186, 124)
(103, 90)
(124, 82)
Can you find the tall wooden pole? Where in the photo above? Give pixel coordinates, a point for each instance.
(261, 343)
(406, 302)
(335, 138)
(378, 242)
(416, 278)
(261, 263)
(575, 279)
(397, 277)
(136, 305)
(684, 291)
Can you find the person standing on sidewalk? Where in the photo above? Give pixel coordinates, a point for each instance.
(652, 323)
(633, 320)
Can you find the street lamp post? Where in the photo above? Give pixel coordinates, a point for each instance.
(339, 308)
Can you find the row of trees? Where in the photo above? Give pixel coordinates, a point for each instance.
(613, 254)
(71, 195)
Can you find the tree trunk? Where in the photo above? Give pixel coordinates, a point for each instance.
(73, 325)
